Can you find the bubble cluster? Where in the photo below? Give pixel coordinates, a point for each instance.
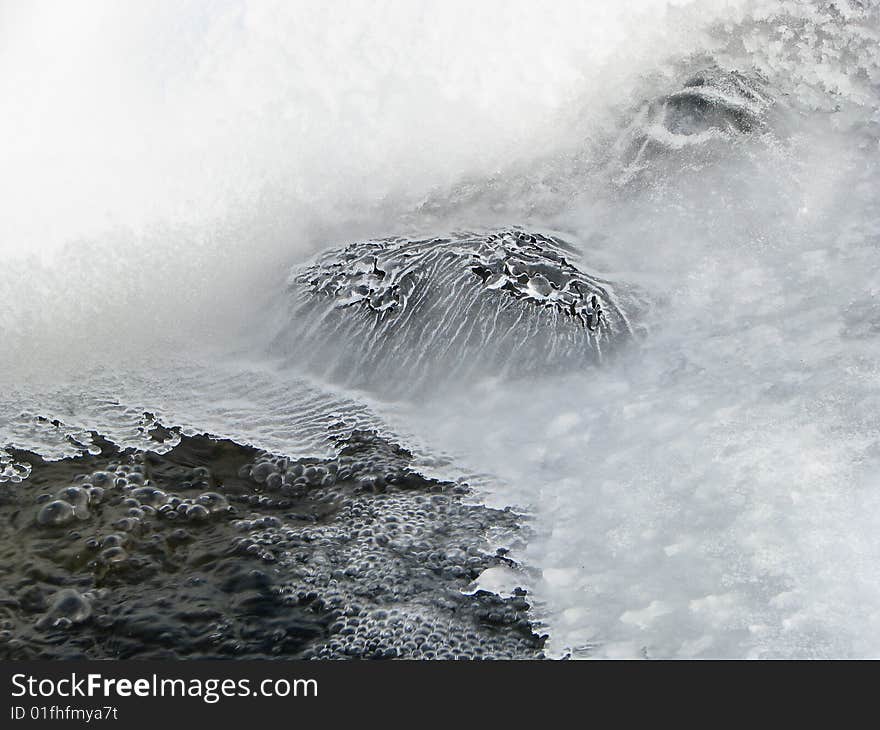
(214, 549)
(131, 490)
(397, 553)
(396, 582)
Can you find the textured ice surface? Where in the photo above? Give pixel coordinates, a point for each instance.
(710, 104)
(401, 314)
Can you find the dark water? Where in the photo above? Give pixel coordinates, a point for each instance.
(214, 549)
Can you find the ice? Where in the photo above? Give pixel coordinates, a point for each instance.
(711, 492)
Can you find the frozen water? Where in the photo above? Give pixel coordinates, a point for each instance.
(711, 491)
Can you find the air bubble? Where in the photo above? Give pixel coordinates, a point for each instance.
(79, 498)
(114, 555)
(197, 513)
(57, 512)
(96, 494)
(274, 482)
(213, 502)
(68, 607)
(150, 496)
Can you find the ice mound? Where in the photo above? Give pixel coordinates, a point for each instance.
(710, 104)
(502, 303)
